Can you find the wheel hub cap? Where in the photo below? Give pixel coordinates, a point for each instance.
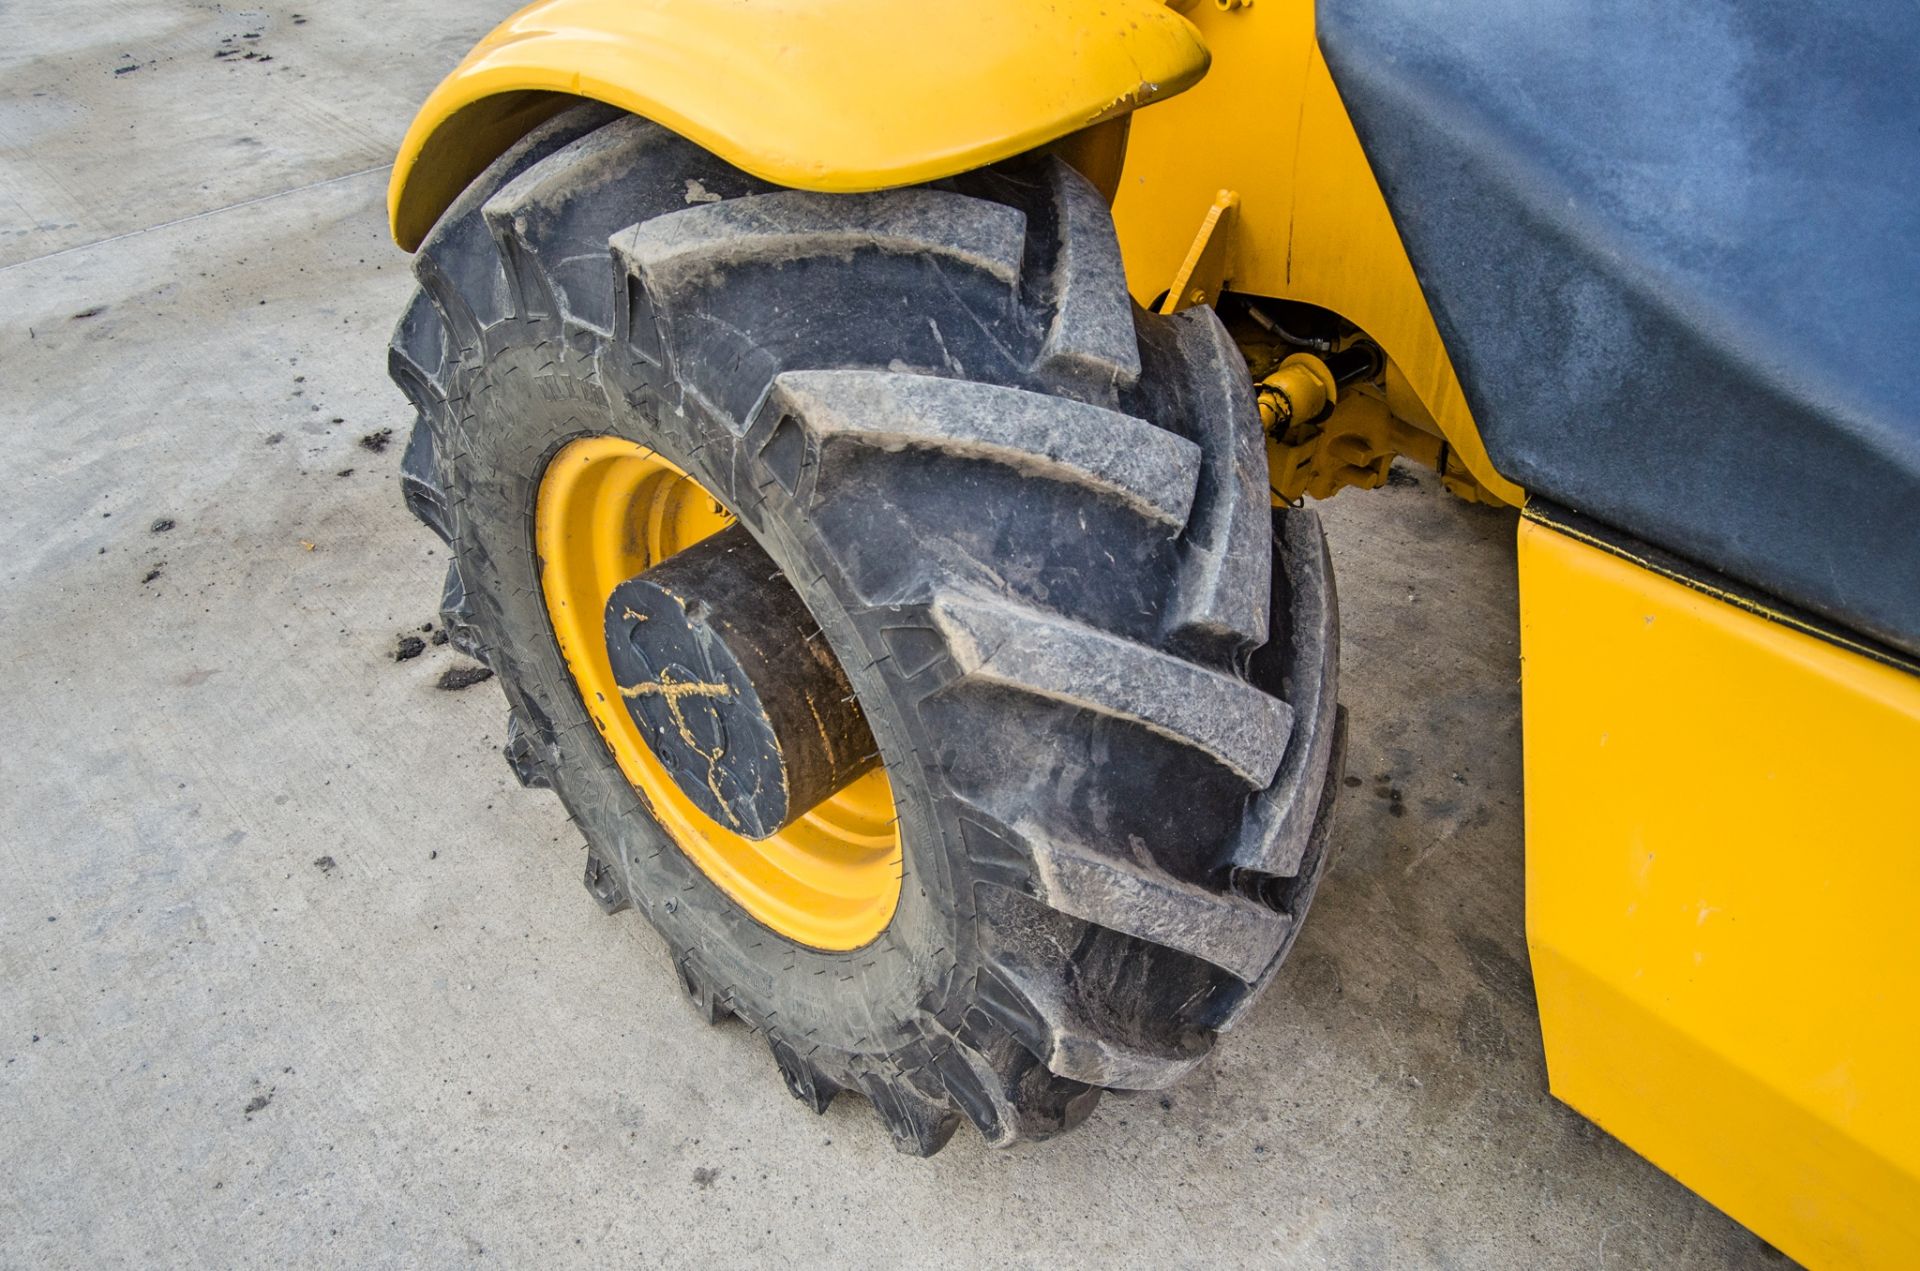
(724, 671)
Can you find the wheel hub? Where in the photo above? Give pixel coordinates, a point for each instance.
(724, 671)
(608, 510)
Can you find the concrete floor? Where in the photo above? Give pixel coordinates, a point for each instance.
(429, 1047)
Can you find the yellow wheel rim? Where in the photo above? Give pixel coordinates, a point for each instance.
(608, 509)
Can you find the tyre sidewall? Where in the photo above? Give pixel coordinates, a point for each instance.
(524, 402)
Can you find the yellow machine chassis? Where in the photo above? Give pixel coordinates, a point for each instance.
(1309, 222)
(1721, 862)
(607, 509)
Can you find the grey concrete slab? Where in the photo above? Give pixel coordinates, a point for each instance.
(431, 1048)
(116, 115)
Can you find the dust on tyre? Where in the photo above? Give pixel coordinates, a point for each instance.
(1031, 523)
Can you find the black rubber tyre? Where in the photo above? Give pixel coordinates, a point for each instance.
(1033, 522)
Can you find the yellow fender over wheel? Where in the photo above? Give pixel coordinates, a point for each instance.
(828, 95)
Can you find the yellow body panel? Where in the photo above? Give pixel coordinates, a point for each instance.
(1311, 223)
(1723, 873)
(831, 95)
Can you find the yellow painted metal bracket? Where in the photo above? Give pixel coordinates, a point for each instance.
(829, 95)
(1204, 271)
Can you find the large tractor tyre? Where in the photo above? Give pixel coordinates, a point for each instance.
(897, 610)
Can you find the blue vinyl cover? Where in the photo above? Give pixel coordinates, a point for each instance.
(1674, 251)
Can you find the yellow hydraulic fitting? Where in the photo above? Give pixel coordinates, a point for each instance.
(1300, 390)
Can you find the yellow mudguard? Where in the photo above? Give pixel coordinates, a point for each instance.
(829, 95)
